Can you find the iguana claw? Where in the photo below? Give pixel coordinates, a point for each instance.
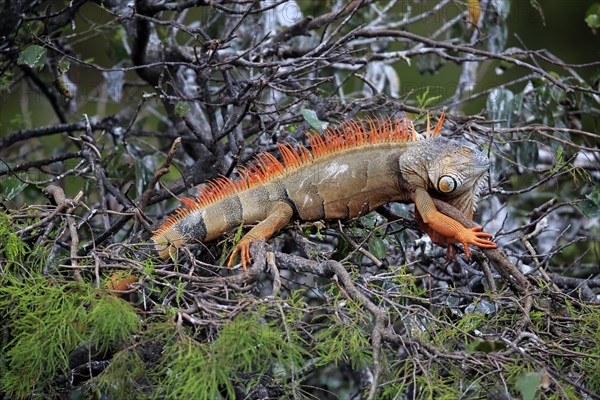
(475, 236)
(243, 248)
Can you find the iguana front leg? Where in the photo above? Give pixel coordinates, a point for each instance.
(280, 216)
(436, 237)
(446, 229)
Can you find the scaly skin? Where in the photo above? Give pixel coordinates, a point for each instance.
(349, 172)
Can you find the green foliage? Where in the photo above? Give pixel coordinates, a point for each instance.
(440, 379)
(33, 56)
(436, 385)
(228, 244)
(370, 231)
(12, 186)
(424, 100)
(189, 362)
(116, 45)
(247, 345)
(592, 18)
(18, 257)
(346, 339)
(377, 247)
(13, 248)
(45, 325)
(120, 380)
(63, 66)
(591, 207)
(592, 367)
(311, 117)
(105, 328)
(182, 108)
(46, 320)
(6, 80)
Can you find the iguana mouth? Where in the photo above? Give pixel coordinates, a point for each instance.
(476, 169)
(467, 202)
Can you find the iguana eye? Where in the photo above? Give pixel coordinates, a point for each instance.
(446, 184)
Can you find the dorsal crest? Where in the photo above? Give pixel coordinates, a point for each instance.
(265, 167)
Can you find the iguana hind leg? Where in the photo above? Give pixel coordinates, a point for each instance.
(443, 229)
(280, 216)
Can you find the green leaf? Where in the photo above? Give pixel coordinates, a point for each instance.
(63, 66)
(593, 21)
(592, 18)
(377, 247)
(33, 56)
(424, 100)
(311, 117)
(116, 47)
(591, 207)
(528, 384)
(595, 197)
(12, 186)
(182, 108)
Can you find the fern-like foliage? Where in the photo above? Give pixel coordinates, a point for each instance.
(249, 345)
(46, 320)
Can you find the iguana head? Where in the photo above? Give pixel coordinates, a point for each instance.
(457, 173)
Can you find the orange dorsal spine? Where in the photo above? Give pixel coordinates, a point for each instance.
(438, 126)
(350, 134)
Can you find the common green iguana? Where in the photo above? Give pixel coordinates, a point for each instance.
(349, 171)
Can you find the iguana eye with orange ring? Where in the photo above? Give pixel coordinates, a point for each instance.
(446, 184)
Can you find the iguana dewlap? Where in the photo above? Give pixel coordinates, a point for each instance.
(349, 171)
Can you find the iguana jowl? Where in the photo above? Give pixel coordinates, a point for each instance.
(349, 171)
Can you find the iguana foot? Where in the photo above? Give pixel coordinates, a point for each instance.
(476, 237)
(243, 248)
